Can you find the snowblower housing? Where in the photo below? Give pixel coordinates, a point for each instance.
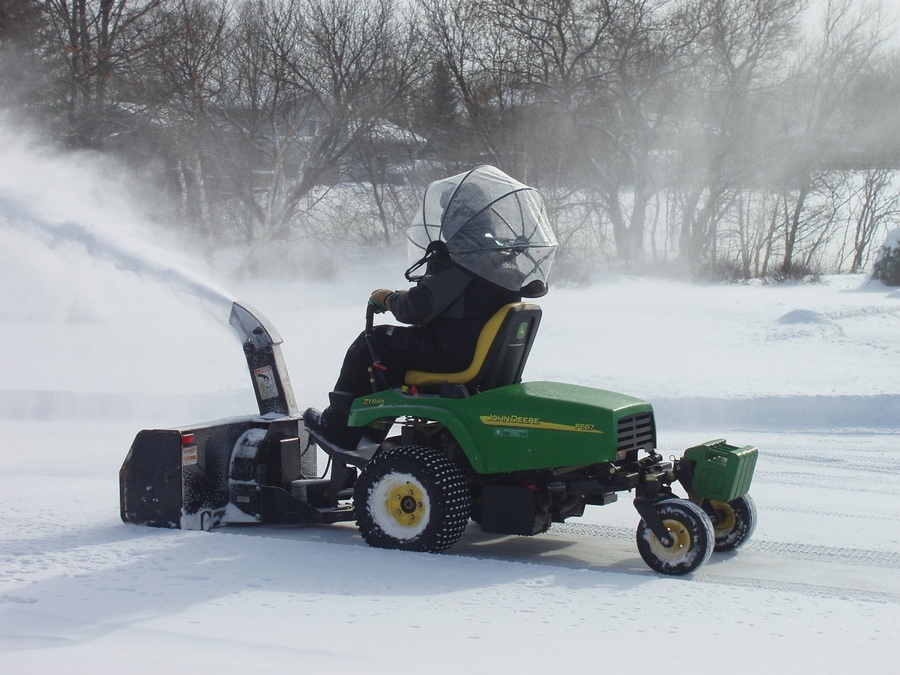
(493, 226)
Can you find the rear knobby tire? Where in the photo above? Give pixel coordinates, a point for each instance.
(733, 522)
(693, 536)
(413, 498)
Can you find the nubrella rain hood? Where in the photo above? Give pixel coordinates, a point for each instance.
(492, 225)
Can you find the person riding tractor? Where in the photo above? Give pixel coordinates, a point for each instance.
(484, 241)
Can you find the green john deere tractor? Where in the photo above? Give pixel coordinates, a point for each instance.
(480, 445)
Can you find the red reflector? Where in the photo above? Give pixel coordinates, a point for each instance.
(187, 439)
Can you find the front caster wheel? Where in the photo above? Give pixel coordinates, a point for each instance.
(733, 522)
(412, 497)
(692, 534)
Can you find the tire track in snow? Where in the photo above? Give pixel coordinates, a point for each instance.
(873, 485)
(829, 514)
(811, 552)
(587, 531)
(811, 590)
(819, 561)
(878, 465)
(845, 572)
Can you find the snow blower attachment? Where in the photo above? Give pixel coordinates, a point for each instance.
(245, 469)
(513, 456)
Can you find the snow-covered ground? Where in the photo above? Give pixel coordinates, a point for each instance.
(108, 330)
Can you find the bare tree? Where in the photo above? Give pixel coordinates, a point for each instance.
(877, 205)
(479, 57)
(307, 83)
(94, 42)
(702, 126)
(647, 45)
(186, 55)
(22, 29)
(726, 119)
(847, 42)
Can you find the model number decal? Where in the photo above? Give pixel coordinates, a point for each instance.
(536, 423)
(373, 401)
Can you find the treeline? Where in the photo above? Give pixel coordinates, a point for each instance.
(721, 138)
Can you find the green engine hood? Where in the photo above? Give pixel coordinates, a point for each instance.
(520, 427)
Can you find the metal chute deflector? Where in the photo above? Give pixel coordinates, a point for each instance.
(262, 348)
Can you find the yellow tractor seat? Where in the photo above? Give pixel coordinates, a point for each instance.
(500, 353)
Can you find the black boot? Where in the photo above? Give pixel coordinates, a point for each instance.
(331, 423)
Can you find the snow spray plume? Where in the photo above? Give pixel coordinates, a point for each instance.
(81, 199)
(123, 255)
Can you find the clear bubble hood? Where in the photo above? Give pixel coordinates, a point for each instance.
(493, 225)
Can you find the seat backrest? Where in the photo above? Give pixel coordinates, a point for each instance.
(500, 353)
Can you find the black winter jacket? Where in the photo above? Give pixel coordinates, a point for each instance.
(452, 302)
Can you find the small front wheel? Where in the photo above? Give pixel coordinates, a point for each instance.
(733, 522)
(412, 497)
(692, 537)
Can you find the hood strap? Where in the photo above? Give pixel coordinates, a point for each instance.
(435, 248)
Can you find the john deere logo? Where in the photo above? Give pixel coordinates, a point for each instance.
(523, 330)
(494, 420)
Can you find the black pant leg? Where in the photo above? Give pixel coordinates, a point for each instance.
(399, 348)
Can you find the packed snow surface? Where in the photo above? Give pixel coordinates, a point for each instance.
(108, 328)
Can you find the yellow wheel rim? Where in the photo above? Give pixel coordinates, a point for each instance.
(406, 504)
(682, 541)
(725, 521)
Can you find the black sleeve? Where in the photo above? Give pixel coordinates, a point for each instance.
(430, 297)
